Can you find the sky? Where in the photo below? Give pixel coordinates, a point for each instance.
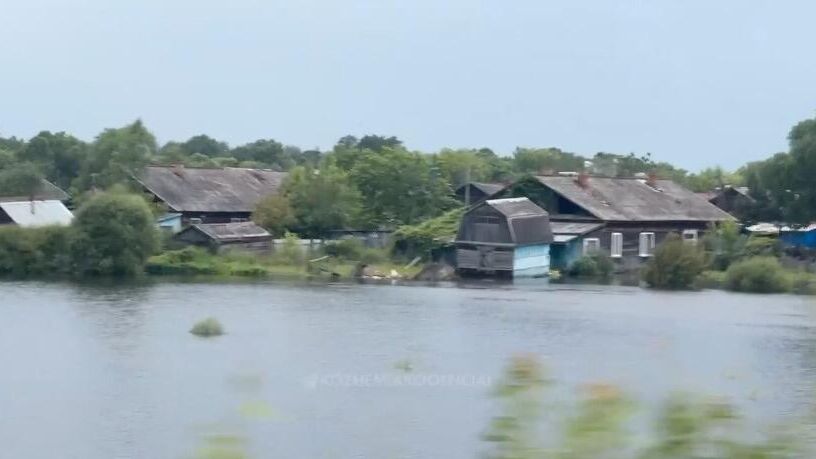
(696, 83)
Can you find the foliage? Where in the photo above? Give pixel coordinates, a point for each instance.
(115, 235)
(291, 252)
(22, 179)
(400, 187)
(758, 275)
(35, 251)
(116, 155)
(675, 265)
(421, 239)
(596, 265)
(725, 244)
(758, 246)
(323, 199)
(462, 166)
(354, 250)
(546, 160)
(275, 214)
(59, 156)
(207, 327)
(710, 279)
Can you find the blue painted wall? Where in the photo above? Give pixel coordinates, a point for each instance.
(170, 222)
(564, 255)
(531, 261)
(799, 238)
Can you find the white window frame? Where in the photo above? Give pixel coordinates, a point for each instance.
(646, 243)
(591, 241)
(695, 235)
(616, 245)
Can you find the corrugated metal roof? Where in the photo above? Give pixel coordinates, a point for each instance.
(47, 192)
(625, 199)
(516, 207)
(577, 228)
(37, 213)
(225, 232)
(230, 189)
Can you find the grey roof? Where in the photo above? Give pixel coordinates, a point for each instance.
(486, 188)
(574, 228)
(47, 192)
(625, 199)
(529, 224)
(230, 189)
(37, 213)
(516, 207)
(227, 232)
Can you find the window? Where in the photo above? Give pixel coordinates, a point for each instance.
(591, 245)
(616, 245)
(646, 244)
(690, 236)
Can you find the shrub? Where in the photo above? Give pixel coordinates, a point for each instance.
(675, 265)
(115, 235)
(593, 266)
(207, 327)
(275, 214)
(349, 249)
(710, 279)
(35, 251)
(758, 275)
(761, 247)
(290, 252)
(419, 240)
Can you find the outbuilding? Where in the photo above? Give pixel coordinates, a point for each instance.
(504, 237)
(221, 237)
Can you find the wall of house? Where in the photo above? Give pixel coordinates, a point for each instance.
(215, 217)
(562, 256)
(484, 224)
(531, 261)
(482, 258)
(260, 246)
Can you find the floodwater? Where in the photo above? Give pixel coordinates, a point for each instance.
(347, 371)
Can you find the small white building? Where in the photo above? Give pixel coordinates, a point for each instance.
(35, 213)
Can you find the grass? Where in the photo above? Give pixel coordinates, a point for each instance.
(207, 327)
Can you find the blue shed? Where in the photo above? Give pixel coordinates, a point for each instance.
(504, 237)
(170, 222)
(803, 237)
(568, 242)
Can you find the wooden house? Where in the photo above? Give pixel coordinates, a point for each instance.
(633, 215)
(205, 195)
(475, 192)
(220, 237)
(504, 237)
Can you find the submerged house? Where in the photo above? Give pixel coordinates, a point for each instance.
(476, 192)
(210, 195)
(504, 237)
(43, 208)
(220, 237)
(631, 216)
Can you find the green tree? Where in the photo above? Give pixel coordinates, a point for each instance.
(268, 152)
(323, 199)
(400, 187)
(675, 265)
(275, 214)
(60, 156)
(23, 179)
(540, 160)
(115, 234)
(116, 155)
(461, 166)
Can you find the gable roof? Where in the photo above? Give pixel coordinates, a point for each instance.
(230, 232)
(230, 189)
(632, 199)
(47, 192)
(527, 222)
(486, 188)
(516, 207)
(574, 228)
(37, 213)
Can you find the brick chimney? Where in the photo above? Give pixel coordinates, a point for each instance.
(651, 179)
(582, 179)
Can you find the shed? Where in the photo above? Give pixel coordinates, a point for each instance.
(508, 237)
(227, 236)
(35, 213)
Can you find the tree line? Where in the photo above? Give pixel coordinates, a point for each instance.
(376, 181)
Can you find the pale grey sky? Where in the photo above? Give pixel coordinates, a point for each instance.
(696, 83)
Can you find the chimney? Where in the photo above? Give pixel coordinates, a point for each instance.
(651, 179)
(178, 169)
(582, 179)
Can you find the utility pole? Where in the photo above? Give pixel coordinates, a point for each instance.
(467, 187)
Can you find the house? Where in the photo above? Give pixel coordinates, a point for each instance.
(735, 200)
(504, 237)
(170, 222)
(475, 192)
(569, 243)
(220, 237)
(205, 195)
(42, 208)
(635, 214)
(800, 238)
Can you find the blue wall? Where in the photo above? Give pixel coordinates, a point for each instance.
(799, 238)
(564, 255)
(531, 261)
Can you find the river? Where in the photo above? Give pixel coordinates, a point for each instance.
(375, 371)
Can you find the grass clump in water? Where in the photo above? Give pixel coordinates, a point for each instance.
(207, 327)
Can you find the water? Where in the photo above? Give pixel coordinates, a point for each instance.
(361, 370)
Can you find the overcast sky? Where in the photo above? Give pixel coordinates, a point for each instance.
(696, 83)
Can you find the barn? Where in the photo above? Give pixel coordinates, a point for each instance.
(504, 237)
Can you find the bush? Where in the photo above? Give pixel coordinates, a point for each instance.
(593, 266)
(758, 275)
(419, 240)
(675, 265)
(291, 252)
(758, 246)
(710, 279)
(115, 235)
(207, 327)
(348, 249)
(187, 261)
(35, 251)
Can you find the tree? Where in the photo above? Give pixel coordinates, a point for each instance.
(538, 160)
(322, 199)
(117, 155)
(115, 234)
(23, 179)
(400, 187)
(60, 156)
(274, 213)
(675, 265)
(204, 145)
(461, 166)
(378, 143)
(265, 151)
